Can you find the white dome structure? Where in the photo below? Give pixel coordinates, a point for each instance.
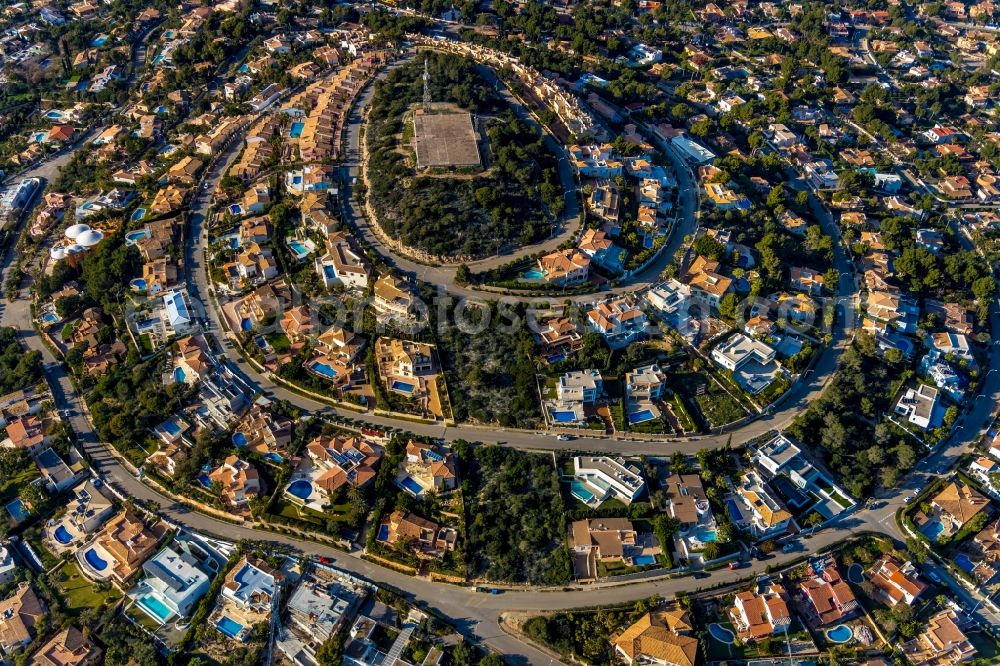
(75, 249)
(57, 253)
(90, 238)
(74, 232)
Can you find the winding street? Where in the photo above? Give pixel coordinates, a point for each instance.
(477, 615)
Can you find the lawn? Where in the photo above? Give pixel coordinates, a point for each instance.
(34, 537)
(841, 500)
(146, 343)
(286, 509)
(77, 592)
(279, 342)
(67, 331)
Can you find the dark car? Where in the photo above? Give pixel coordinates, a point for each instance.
(701, 574)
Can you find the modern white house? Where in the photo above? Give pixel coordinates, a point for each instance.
(918, 405)
(670, 302)
(583, 386)
(174, 582)
(598, 478)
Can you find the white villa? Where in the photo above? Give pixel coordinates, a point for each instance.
(173, 584)
(599, 478)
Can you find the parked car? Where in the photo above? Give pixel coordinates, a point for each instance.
(565, 438)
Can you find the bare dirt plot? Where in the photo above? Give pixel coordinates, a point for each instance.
(445, 139)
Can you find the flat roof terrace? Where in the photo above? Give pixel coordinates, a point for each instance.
(445, 137)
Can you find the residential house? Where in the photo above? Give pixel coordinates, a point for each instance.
(919, 406)
(760, 615)
(807, 280)
(958, 503)
(118, 550)
(174, 582)
(393, 299)
(941, 644)
(894, 582)
(239, 479)
(661, 638)
(619, 320)
(601, 540)
(826, 596)
(342, 264)
(645, 383)
(564, 267)
(26, 434)
(19, 615)
(763, 514)
(427, 467)
(559, 336)
(602, 478)
(69, 647)
(425, 537)
(707, 285)
(342, 463)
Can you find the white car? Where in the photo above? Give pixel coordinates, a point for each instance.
(907, 499)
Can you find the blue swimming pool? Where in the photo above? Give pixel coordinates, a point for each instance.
(50, 317)
(964, 563)
(411, 485)
(204, 480)
(580, 492)
(246, 324)
(840, 634)
(329, 272)
(706, 536)
(383, 532)
(229, 627)
(299, 249)
(932, 529)
(138, 284)
(235, 209)
(534, 274)
(179, 375)
(402, 387)
(555, 358)
(156, 608)
(100, 40)
(641, 416)
(137, 215)
(94, 560)
(274, 457)
(734, 511)
(296, 130)
(301, 489)
(239, 439)
(563, 417)
(325, 369)
(62, 535)
(644, 560)
(721, 634)
(133, 237)
(170, 427)
(17, 510)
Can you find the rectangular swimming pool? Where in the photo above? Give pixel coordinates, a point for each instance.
(155, 608)
(409, 484)
(229, 626)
